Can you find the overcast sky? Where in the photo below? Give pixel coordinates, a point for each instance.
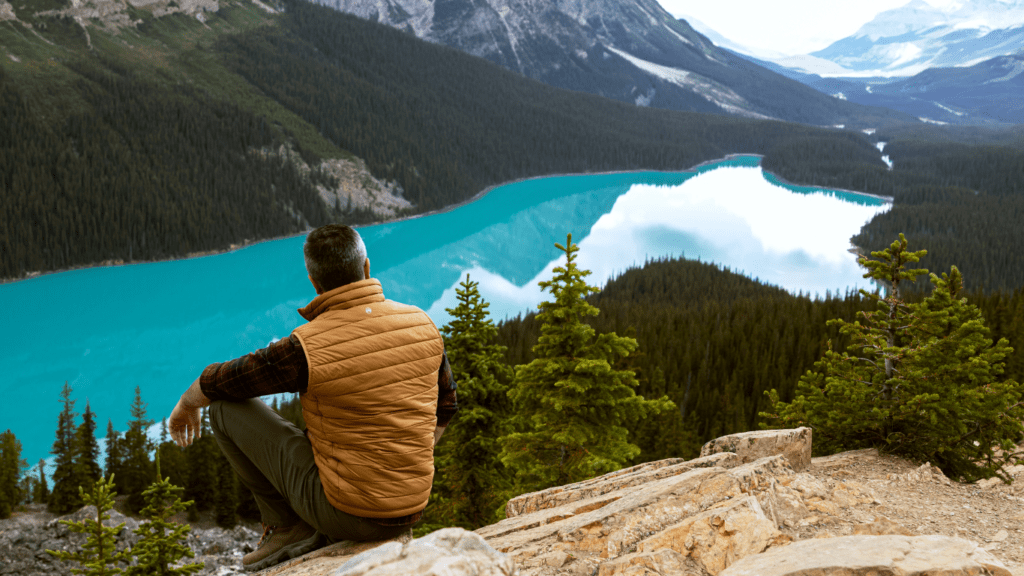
(786, 26)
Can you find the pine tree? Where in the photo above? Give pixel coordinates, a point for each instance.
(136, 467)
(10, 473)
(65, 495)
(98, 556)
(115, 454)
(87, 450)
(41, 493)
(921, 382)
(571, 408)
(160, 540)
(472, 479)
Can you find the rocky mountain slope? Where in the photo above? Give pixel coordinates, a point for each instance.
(753, 503)
(987, 93)
(631, 51)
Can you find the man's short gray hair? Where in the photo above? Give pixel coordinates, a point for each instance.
(335, 254)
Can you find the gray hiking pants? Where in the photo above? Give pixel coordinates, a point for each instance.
(274, 459)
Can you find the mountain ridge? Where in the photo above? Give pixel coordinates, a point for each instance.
(631, 51)
(917, 36)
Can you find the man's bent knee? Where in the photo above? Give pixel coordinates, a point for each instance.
(221, 411)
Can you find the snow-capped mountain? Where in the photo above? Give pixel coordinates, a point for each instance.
(629, 50)
(992, 90)
(918, 36)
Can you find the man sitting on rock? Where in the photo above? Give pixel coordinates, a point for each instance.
(376, 393)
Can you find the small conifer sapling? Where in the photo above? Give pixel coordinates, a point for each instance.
(160, 540)
(99, 555)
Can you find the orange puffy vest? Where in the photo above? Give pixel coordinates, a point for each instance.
(371, 403)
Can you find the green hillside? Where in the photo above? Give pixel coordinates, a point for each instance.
(145, 134)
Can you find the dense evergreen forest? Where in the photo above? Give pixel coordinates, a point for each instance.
(151, 173)
(148, 169)
(965, 202)
(143, 169)
(714, 341)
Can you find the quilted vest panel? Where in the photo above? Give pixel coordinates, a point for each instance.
(371, 403)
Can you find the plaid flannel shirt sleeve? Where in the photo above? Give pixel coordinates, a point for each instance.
(278, 368)
(282, 367)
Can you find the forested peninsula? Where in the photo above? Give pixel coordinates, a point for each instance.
(109, 157)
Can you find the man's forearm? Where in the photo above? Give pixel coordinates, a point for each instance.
(194, 397)
(437, 434)
(185, 421)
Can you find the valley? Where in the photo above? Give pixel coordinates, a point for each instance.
(161, 162)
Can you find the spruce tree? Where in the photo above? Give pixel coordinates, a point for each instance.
(160, 540)
(115, 454)
(41, 492)
(919, 380)
(99, 555)
(87, 450)
(472, 479)
(10, 473)
(137, 468)
(65, 495)
(571, 407)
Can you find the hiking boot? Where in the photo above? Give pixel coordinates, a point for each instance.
(280, 544)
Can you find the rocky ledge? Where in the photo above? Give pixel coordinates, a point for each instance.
(25, 538)
(752, 504)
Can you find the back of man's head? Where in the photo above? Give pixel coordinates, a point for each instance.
(335, 255)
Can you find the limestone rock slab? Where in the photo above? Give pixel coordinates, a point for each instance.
(872, 555)
(447, 552)
(794, 444)
(614, 481)
(719, 537)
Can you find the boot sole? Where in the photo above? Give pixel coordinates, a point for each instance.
(287, 553)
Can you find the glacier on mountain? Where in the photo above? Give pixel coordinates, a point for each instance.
(920, 35)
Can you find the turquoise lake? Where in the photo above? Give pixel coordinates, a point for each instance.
(157, 325)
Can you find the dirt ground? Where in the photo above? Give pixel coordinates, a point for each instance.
(916, 499)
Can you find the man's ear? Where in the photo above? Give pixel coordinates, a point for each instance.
(366, 269)
(315, 287)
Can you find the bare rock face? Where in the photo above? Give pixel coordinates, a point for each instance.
(6, 11)
(795, 445)
(625, 478)
(669, 517)
(875, 555)
(448, 552)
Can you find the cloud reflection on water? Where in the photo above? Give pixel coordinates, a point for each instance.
(731, 216)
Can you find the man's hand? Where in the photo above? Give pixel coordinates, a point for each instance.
(185, 420)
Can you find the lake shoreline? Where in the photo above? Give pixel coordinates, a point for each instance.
(246, 243)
